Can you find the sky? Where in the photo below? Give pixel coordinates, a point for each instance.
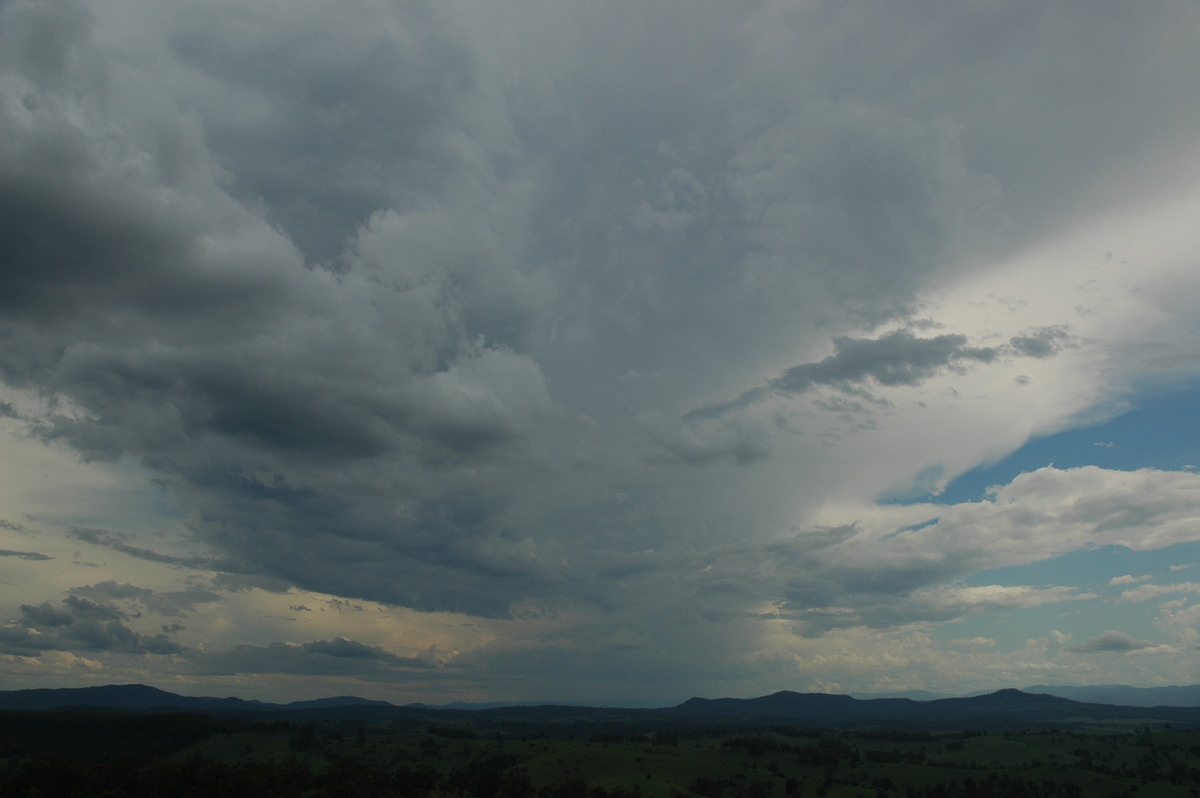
(600, 352)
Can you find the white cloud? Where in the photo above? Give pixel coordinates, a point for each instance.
(1039, 514)
(986, 642)
(1128, 579)
(998, 597)
(1147, 592)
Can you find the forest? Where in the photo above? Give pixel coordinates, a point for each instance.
(114, 754)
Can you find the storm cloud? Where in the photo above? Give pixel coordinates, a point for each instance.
(526, 319)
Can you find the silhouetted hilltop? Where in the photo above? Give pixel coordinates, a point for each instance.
(336, 701)
(125, 696)
(144, 697)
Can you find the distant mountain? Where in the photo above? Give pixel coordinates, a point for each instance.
(477, 706)
(337, 701)
(144, 697)
(1116, 694)
(484, 705)
(1124, 695)
(786, 704)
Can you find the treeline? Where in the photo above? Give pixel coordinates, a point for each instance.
(98, 735)
(998, 785)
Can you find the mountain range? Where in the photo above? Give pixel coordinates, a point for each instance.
(1004, 708)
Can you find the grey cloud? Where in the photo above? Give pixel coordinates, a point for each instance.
(173, 603)
(391, 83)
(899, 358)
(88, 610)
(701, 443)
(812, 579)
(25, 555)
(338, 656)
(20, 641)
(1110, 642)
(342, 647)
(79, 624)
(340, 358)
(114, 541)
(237, 582)
(111, 590)
(1041, 343)
(46, 615)
(970, 53)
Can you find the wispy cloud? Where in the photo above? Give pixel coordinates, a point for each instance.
(1147, 592)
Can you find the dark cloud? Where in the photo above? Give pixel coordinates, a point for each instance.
(1110, 642)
